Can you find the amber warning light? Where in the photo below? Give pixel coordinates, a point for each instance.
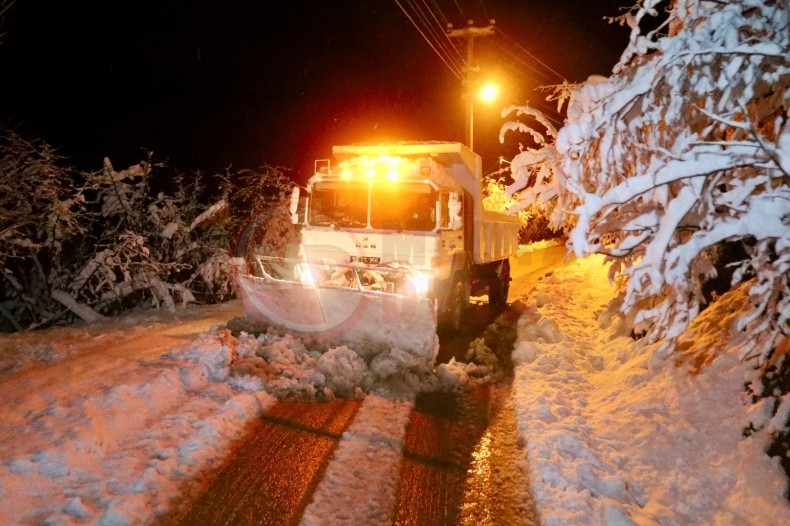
(384, 167)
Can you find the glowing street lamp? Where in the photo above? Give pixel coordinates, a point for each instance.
(488, 92)
(469, 34)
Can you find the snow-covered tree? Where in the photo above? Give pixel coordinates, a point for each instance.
(267, 230)
(537, 189)
(685, 148)
(88, 244)
(533, 223)
(41, 209)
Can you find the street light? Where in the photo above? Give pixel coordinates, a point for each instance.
(469, 34)
(487, 93)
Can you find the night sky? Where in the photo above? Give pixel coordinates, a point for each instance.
(208, 84)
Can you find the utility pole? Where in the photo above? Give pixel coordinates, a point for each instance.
(469, 33)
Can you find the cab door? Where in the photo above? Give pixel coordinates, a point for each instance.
(451, 234)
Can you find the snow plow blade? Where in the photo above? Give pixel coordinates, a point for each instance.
(339, 305)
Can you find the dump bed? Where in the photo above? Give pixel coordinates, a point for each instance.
(496, 237)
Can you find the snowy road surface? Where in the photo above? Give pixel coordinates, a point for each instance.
(446, 459)
(156, 418)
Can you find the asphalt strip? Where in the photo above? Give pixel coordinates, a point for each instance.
(361, 481)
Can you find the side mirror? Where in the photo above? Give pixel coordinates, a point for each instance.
(294, 208)
(454, 209)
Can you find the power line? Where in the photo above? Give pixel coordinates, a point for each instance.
(443, 27)
(485, 12)
(524, 63)
(447, 62)
(438, 9)
(537, 102)
(435, 35)
(425, 16)
(548, 110)
(504, 62)
(440, 36)
(460, 10)
(425, 19)
(560, 76)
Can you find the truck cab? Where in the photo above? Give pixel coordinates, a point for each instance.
(414, 208)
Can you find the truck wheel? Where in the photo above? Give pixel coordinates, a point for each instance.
(454, 309)
(499, 287)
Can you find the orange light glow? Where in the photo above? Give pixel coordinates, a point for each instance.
(383, 167)
(488, 92)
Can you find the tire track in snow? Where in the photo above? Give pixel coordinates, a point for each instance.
(361, 481)
(443, 431)
(462, 463)
(270, 476)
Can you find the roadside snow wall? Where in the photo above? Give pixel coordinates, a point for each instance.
(616, 436)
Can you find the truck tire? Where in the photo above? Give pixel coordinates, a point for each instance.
(454, 309)
(499, 287)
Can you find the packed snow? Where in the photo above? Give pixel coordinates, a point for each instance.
(361, 482)
(617, 432)
(108, 423)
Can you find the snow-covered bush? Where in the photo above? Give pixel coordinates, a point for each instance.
(150, 247)
(267, 228)
(41, 211)
(685, 147)
(533, 224)
(87, 244)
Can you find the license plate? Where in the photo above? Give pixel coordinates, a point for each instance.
(366, 260)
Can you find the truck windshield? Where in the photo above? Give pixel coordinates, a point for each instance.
(343, 204)
(403, 206)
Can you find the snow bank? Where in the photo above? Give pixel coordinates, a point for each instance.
(114, 444)
(538, 246)
(616, 435)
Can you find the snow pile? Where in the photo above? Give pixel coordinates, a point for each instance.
(286, 366)
(616, 433)
(113, 438)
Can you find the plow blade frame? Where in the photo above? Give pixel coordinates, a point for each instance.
(347, 314)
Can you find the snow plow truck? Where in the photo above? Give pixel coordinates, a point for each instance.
(394, 239)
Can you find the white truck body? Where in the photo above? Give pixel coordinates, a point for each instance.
(402, 224)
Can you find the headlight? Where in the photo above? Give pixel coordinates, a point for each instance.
(420, 282)
(305, 273)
